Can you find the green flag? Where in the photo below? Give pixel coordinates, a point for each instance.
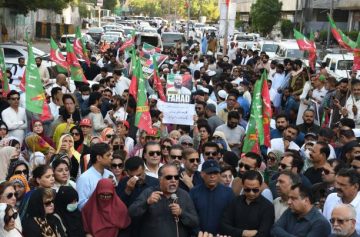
(35, 95)
(3, 75)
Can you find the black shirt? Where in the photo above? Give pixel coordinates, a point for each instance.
(314, 175)
(239, 216)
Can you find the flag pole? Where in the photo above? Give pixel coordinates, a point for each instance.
(226, 33)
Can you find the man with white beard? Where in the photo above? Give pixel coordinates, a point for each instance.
(343, 221)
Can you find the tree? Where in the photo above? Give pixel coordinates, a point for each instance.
(265, 14)
(24, 6)
(286, 27)
(109, 4)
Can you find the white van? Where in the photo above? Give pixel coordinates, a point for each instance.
(269, 47)
(340, 65)
(288, 49)
(151, 38)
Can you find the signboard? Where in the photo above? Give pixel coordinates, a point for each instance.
(99, 3)
(175, 113)
(232, 16)
(178, 88)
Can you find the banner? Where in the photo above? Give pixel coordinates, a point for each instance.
(175, 113)
(178, 88)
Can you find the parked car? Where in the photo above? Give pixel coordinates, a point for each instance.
(95, 33)
(269, 47)
(340, 65)
(169, 39)
(151, 38)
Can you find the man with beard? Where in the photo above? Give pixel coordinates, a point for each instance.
(176, 155)
(178, 88)
(230, 106)
(297, 78)
(343, 221)
(165, 210)
(200, 109)
(190, 176)
(352, 106)
(17, 72)
(287, 141)
(309, 125)
(318, 155)
(44, 72)
(347, 192)
(234, 133)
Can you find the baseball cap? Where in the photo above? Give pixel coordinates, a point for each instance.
(126, 123)
(311, 134)
(86, 122)
(210, 166)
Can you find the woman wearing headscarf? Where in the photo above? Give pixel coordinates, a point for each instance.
(66, 201)
(7, 155)
(18, 167)
(40, 220)
(66, 145)
(7, 196)
(80, 147)
(21, 187)
(105, 214)
(7, 221)
(3, 130)
(60, 130)
(107, 134)
(219, 137)
(38, 128)
(272, 164)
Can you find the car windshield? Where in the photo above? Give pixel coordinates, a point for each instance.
(95, 30)
(270, 47)
(169, 38)
(295, 53)
(110, 38)
(153, 40)
(345, 64)
(244, 38)
(70, 38)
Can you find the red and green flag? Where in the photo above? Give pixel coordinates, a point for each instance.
(148, 50)
(35, 94)
(356, 52)
(135, 75)
(340, 37)
(157, 82)
(56, 56)
(3, 75)
(129, 42)
(307, 45)
(266, 111)
(76, 71)
(142, 116)
(80, 46)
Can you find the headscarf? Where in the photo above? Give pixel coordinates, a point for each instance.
(36, 143)
(5, 159)
(105, 217)
(222, 135)
(81, 140)
(3, 232)
(20, 179)
(71, 220)
(72, 151)
(60, 130)
(42, 135)
(9, 141)
(278, 154)
(36, 159)
(13, 166)
(106, 131)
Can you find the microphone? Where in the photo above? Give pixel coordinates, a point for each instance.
(174, 199)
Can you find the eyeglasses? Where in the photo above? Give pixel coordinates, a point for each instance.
(170, 177)
(245, 166)
(340, 221)
(10, 195)
(109, 135)
(48, 203)
(186, 144)
(21, 172)
(14, 98)
(165, 147)
(209, 153)
(284, 166)
(75, 134)
(176, 157)
(194, 159)
(254, 190)
(327, 172)
(8, 218)
(152, 153)
(119, 165)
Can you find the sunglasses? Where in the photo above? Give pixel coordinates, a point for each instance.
(245, 166)
(13, 216)
(176, 157)
(171, 177)
(10, 195)
(340, 221)
(120, 166)
(272, 158)
(327, 172)
(109, 135)
(208, 153)
(165, 147)
(152, 153)
(75, 134)
(186, 144)
(48, 203)
(21, 172)
(15, 98)
(254, 190)
(284, 166)
(194, 159)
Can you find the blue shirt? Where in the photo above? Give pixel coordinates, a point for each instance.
(313, 224)
(87, 183)
(244, 105)
(209, 205)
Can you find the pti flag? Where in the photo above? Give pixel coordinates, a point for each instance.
(80, 46)
(3, 75)
(76, 71)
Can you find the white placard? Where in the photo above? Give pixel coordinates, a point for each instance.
(232, 17)
(175, 113)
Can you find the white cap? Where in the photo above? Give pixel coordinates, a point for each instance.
(209, 53)
(222, 94)
(206, 90)
(154, 97)
(211, 73)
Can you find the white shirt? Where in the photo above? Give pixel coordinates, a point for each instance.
(319, 94)
(333, 200)
(16, 122)
(232, 54)
(349, 104)
(278, 144)
(19, 73)
(122, 84)
(152, 174)
(44, 73)
(87, 182)
(280, 207)
(54, 108)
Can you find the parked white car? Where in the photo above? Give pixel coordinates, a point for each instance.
(340, 65)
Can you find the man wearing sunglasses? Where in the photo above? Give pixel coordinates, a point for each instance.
(318, 155)
(152, 156)
(211, 151)
(190, 176)
(210, 198)
(165, 210)
(15, 116)
(249, 214)
(302, 218)
(343, 221)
